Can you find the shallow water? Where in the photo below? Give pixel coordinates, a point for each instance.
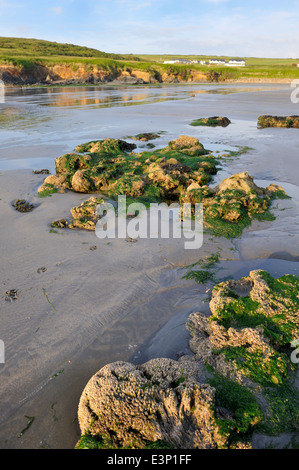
(39, 124)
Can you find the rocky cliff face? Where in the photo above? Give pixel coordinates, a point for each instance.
(62, 73)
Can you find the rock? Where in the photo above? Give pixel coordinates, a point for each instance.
(240, 182)
(161, 400)
(146, 136)
(58, 182)
(179, 172)
(81, 182)
(61, 223)
(44, 171)
(216, 397)
(190, 145)
(278, 121)
(211, 121)
(251, 318)
(84, 216)
(21, 205)
(11, 295)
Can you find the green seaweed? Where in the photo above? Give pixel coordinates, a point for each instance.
(29, 423)
(48, 191)
(245, 411)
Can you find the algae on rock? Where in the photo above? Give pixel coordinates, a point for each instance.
(180, 172)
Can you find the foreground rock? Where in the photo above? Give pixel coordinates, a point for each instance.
(238, 380)
(158, 402)
(278, 121)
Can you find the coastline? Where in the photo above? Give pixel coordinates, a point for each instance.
(118, 83)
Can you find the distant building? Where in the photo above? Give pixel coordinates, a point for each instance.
(178, 61)
(217, 62)
(236, 63)
(230, 63)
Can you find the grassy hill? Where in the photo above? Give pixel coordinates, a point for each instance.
(21, 47)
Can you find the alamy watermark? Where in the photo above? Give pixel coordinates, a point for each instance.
(2, 91)
(2, 352)
(295, 353)
(156, 221)
(295, 93)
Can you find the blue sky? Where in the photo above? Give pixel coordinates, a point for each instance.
(214, 27)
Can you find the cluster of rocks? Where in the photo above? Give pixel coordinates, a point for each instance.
(21, 205)
(181, 403)
(178, 172)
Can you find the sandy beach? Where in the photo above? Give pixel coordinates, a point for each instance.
(84, 302)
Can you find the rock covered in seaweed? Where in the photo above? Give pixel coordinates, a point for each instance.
(252, 321)
(236, 380)
(236, 199)
(278, 121)
(84, 216)
(212, 121)
(111, 166)
(160, 401)
(179, 172)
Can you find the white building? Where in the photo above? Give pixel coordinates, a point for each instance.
(178, 61)
(236, 63)
(217, 62)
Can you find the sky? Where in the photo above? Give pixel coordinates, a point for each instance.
(238, 28)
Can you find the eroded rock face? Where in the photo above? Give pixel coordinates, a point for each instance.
(160, 400)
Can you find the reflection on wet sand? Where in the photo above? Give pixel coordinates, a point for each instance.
(106, 97)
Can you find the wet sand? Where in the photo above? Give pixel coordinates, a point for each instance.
(122, 300)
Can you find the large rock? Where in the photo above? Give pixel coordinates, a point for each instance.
(161, 400)
(216, 397)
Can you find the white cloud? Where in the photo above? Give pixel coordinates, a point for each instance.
(216, 2)
(56, 10)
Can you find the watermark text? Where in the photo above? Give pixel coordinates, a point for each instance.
(156, 221)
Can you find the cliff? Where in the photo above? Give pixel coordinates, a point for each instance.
(85, 74)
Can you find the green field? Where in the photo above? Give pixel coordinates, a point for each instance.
(26, 53)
